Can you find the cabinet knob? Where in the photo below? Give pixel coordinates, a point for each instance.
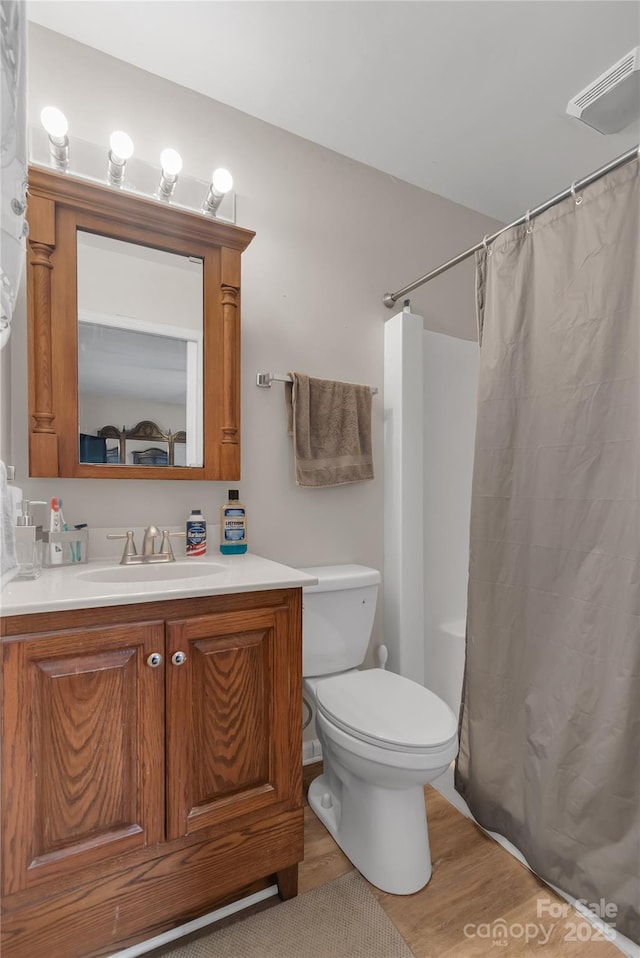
(154, 660)
(179, 658)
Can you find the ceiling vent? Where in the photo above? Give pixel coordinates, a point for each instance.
(613, 100)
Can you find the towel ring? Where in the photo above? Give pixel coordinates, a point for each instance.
(578, 199)
(527, 221)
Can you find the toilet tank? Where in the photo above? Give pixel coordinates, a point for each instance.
(337, 617)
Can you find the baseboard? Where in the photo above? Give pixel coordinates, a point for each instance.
(311, 752)
(309, 772)
(183, 930)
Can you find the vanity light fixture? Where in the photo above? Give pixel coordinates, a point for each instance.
(121, 149)
(171, 164)
(55, 123)
(50, 146)
(221, 183)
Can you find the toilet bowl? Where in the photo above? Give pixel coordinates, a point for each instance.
(383, 736)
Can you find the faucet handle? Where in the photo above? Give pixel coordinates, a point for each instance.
(165, 545)
(129, 547)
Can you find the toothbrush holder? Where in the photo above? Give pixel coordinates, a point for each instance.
(74, 544)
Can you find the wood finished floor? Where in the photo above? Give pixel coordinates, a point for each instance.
(474, 881)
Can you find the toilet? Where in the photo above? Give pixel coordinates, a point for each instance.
(383, 736)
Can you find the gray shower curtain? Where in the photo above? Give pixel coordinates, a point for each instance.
(550, 719)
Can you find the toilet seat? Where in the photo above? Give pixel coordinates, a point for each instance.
(387, 710)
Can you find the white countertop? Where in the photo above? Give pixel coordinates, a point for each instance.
(73, 586)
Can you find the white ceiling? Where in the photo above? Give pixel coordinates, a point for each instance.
(466, 98)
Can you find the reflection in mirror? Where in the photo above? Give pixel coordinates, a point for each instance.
(140, 320)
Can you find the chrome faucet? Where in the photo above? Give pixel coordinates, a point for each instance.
(130, 554)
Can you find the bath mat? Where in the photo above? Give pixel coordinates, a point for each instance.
(341, 919)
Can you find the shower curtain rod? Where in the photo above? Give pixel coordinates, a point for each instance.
(390, 299)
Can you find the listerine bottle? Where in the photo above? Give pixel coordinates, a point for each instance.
(233, 526)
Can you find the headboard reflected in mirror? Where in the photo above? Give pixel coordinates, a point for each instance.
(111, 444)
(133, 316)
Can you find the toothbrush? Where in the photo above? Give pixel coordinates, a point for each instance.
(65, 528)
(74, 547)
(78, 549)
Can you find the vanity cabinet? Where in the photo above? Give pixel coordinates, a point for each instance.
(151, 767)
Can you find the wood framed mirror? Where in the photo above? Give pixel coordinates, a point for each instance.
(133, 316)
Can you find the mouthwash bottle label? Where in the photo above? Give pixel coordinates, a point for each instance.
(233, 538)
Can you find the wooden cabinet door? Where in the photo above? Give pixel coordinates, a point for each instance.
(83, 754)
(233, 716)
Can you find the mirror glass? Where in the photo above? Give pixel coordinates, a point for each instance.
(140, 354)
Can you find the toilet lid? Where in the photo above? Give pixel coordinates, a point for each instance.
(387, 709)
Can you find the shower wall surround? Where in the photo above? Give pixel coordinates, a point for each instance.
(430, 409)
(450, 387)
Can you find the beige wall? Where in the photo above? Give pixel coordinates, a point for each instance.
(333, 235)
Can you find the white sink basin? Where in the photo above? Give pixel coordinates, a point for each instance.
(153, 572)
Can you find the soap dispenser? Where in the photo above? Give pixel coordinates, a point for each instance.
(28, 538)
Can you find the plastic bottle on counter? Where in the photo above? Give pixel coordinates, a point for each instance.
(28, 538)
(196, 534)
(233, 526)
(56, 524)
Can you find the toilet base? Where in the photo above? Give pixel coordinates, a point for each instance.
(383, 831)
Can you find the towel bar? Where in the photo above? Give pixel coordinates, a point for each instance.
(265, 380)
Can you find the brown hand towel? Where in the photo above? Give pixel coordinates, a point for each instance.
(331, 427)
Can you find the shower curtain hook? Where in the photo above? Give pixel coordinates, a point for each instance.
(527, 221)
(578, 199)
(487, 250)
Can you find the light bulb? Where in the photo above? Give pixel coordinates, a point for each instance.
(222, 181)
(171, 162)
(120, 149)
(121, 145)
(55, 122)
